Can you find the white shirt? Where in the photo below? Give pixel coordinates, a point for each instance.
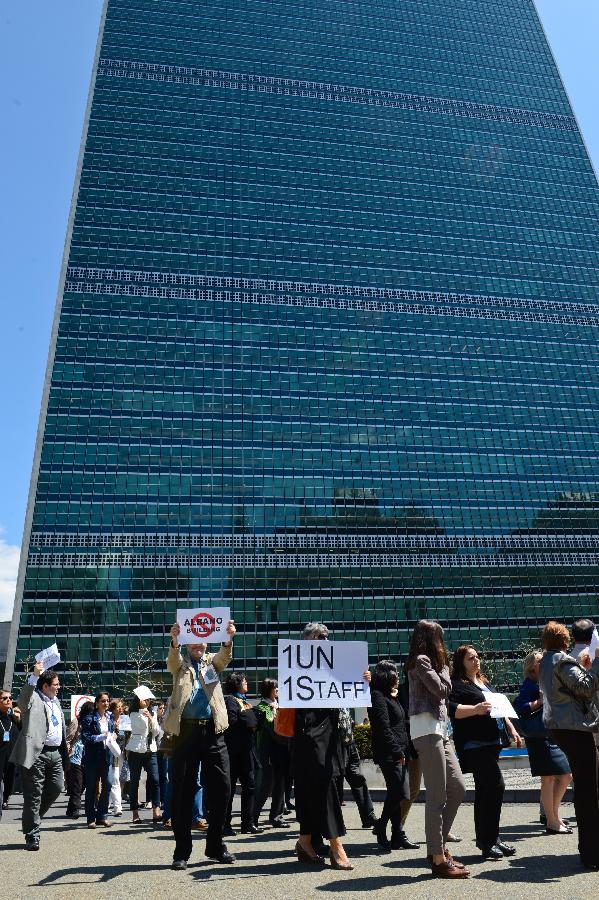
(426, 723)
(54, 735)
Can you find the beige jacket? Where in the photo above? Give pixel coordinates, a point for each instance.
(183, 676)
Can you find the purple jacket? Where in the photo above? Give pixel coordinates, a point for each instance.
(428, 689)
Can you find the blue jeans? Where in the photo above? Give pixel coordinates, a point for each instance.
(94, 770)
(198, 805)
(137, 762)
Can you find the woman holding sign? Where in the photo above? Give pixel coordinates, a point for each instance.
(318, 762)
(478, 740)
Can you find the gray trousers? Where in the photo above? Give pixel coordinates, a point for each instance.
(445, 788)
(42, 785)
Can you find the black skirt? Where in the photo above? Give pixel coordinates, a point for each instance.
(546, 758)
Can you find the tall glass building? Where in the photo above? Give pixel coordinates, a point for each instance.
(326, 339)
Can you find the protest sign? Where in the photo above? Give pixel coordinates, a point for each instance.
(48, 657)
(77, 701)
(205, 625)
(594, 644)
(321, 674)
(501, 708)
(143, 692)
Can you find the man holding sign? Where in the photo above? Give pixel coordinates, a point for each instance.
(41, 749)
(319, 679)
(196, 720)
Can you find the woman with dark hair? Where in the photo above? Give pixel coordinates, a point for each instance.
(273, 756)
(142, 754)
(428, 673)
(390, 752)
(318, 760)
(239, 738)
(95, 728)
(571, 715)
(477, 738)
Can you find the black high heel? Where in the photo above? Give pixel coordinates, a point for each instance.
(304, 857)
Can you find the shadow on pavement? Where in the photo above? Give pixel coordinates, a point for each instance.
(374, 883)
(106, 873)
(546, 869)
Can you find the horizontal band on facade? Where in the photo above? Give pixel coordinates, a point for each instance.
(307, 561)
(439, 309)
(140, 276)
(316, 90)
(309, 541)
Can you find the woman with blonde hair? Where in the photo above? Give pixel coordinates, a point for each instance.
(571, 715)
(544, 756)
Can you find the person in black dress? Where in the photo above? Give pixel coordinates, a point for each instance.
(477, 739)
(390, 751)
(240, 741)
(318, 760)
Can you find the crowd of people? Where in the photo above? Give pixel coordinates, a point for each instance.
(430, 721)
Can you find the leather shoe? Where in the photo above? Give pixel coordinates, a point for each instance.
(400, 841)
(370, 823)
(251, 829)
(382, 840)
(179, 864)
(222, 856)
(228, 831)
(491, 852)
(279, 823)
(447, 869)
(506, 849)
(32, 843)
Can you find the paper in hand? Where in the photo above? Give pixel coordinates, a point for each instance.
(501, 708)
(48, 657)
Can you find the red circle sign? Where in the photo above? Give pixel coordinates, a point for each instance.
(79, 703)
(202, 625)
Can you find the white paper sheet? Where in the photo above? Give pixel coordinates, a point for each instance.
(48, 657)
(501, 708)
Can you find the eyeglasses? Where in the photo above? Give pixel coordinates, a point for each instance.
(5, 698)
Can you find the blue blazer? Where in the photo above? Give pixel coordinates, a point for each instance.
(94, 751)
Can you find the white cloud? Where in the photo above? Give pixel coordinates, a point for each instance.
(9, 566)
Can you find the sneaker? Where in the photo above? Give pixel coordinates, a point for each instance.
(32, 843)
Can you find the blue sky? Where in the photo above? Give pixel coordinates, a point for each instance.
(46, 53)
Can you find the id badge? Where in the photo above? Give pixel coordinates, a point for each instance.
(209, 674)
(6, 737)
(54, 720)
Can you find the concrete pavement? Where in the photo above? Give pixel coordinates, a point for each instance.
(125, 862)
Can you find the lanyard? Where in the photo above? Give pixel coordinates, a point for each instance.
(5, 730)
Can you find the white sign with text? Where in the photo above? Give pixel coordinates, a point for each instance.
(205, 625)
(323, 674)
